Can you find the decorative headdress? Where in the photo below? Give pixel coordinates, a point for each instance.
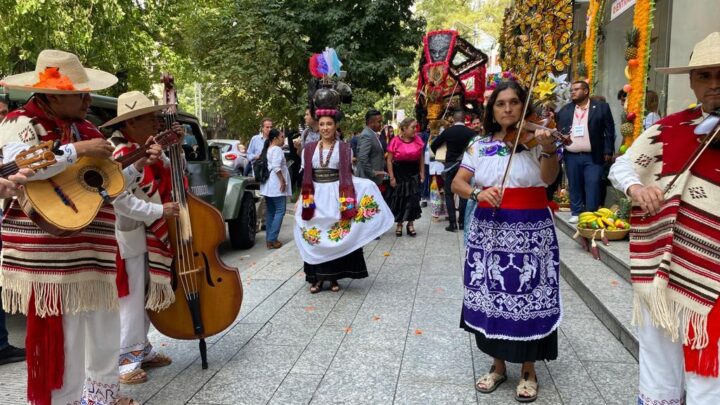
(495, 79)
(325, 91)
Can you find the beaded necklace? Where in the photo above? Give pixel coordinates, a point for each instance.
(327, 159)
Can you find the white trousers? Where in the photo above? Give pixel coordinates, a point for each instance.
(663, 379)
(91, 347)
(134, 322)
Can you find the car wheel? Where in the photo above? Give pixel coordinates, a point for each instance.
(242, 229)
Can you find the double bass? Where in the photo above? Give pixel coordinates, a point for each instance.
(208, 293)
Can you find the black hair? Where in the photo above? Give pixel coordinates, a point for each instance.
(489, 123)
(584, 84)
(371, 113)
(272, 135)
(621, 94)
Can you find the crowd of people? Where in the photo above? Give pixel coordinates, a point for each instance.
(86, 305)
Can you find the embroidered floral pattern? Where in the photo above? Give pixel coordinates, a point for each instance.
(98, 393)
(368, 208)
(488, 147)
(346, 203)
(312, 235)
(339, 230)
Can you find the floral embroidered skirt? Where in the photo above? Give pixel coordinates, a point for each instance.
(511, 277)
(326, 237)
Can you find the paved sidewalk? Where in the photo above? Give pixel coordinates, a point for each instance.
(389, 338)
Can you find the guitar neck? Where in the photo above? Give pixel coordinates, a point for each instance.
(132, 157)
(8, 169)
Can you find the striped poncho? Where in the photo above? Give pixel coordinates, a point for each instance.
(65, 274)
(675, 255)
(156, 187)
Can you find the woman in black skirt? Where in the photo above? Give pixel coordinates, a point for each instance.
(338, 213)
(406, 167)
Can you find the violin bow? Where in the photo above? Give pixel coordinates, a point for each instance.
(517, 136)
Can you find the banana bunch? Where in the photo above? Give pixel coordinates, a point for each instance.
(601, 219)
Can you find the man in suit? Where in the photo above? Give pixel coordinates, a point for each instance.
(371, 155)
(592, 129)
(457, 138)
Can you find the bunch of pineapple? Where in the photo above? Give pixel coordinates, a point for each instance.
(627, 127)
(631, 44)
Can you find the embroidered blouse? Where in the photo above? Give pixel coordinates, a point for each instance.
(487, 160)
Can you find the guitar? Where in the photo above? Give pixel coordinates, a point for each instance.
(66, 203)
(35, 158)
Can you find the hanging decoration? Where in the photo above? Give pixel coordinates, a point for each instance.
(637, 54)
(536, 33)
(596, 13)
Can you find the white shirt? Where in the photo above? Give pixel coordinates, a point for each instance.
(488, 168)
(276, 164)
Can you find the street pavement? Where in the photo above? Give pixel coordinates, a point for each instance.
(393, 337)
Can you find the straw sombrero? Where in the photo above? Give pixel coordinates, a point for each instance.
(706, 54)
(133, 104)
(58, 72)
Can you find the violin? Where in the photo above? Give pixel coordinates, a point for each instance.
(532, 123)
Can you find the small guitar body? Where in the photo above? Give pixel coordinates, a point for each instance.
(68, 202)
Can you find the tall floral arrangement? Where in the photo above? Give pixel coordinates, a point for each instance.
(594, 21)
(637, 67)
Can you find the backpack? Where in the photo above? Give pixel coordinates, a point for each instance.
(260, 169)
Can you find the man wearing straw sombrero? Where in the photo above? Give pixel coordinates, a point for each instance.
(142, 235)
(672, 174)
(65, 285)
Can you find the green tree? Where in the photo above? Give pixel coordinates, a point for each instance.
(118, 36)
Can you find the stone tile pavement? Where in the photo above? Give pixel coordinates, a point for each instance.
(389, 338)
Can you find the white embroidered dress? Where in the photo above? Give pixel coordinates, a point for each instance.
(326, 237)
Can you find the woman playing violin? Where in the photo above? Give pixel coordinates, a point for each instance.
(511, 278)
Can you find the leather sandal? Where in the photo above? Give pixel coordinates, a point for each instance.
(411, 230)
(490, 381)
(334, 286)
(316, 288)
(398, 230)
(160, 360)
(127, 401)
(526, 391)
(137, 376)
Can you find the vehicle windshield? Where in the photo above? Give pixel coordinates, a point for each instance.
(224, 147)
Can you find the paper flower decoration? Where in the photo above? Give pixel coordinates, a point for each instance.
(326, 63)
(544, 89)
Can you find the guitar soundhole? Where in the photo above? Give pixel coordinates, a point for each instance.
(93, 179)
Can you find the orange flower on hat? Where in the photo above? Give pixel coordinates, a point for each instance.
(51, 78)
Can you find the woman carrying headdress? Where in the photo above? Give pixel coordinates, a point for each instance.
(338, 213)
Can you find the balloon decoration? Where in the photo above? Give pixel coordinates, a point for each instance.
(637, 54)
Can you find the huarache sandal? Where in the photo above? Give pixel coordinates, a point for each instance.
(411, 230)
(137, 376)
(490, 381)
(316, 288)
(526, 391)
(127, 401)
(160, 360)
(398, 230)
(334, 286)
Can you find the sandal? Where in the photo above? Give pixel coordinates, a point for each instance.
(334, 286)
(398, 230)
(127, 401)
(137, 376)
(490, 381)
(316, 288)
(411, 230)
(160, 360)
(526, 391)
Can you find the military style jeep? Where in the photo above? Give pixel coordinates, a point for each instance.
(231, 193)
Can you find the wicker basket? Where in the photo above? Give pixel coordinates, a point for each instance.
(611, 235)
(564, 207)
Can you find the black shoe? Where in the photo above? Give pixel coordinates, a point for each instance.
(11, 354)
(461, 226)
(451, 228)
(423, 204)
